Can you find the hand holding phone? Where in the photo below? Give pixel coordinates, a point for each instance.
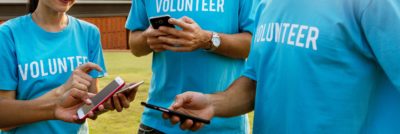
(159, 21)
(101, 97)
(182, 116)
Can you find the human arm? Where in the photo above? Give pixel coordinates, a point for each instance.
(79, 80)
(138, 44)
(380, 24)
(61, 107)
(193, 37)
(142, 37)
(232, 45)
(236, 100)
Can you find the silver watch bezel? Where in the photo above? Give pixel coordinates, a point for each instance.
(215, 40)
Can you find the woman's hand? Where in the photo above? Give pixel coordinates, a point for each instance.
(68, 104)
(120, 101)
(79, 78)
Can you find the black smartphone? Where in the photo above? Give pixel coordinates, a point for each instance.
(159, 21)
(182, 116)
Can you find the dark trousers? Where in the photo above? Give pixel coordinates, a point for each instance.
(143, 129)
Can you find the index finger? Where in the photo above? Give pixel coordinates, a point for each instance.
(80, 95)
(89, 67)
(180, 23)
(175, 32)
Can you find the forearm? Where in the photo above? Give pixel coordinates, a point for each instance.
(234, 45)
(20, 112)
(15, 112)
(138, 44)
(238, 99)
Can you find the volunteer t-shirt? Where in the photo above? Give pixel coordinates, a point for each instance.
(318, 63)
(206, 72)
(384, 114)
(35, 61)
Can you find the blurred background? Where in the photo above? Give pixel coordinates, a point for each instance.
(108, 15)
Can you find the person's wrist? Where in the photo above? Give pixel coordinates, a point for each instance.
(57, 100)
(53, 110)
(48, 106)
(206, 41)
(209, 98)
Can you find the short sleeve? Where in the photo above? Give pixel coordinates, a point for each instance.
(246, 15)
(137, 19)
(96, 54)
(250, 65)
(8, 61)
(381, 24)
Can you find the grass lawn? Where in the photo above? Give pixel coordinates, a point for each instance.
(131, 69)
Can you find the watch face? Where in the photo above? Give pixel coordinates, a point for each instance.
(216, 42)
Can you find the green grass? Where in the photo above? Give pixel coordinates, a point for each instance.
(131, 69)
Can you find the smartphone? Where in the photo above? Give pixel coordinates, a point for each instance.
(101, 97)
(130, 87)
(159, 21)
(171, 112)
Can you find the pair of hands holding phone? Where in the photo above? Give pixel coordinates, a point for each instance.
(190, 38)
(76, 92)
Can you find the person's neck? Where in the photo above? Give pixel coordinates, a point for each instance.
(50, 20)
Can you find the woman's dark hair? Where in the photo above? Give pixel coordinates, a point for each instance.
(32, 5)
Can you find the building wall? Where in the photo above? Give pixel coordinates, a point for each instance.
(112, 29)
(113, 32)
(110, 18)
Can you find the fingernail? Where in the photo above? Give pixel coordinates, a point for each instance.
(89, 101)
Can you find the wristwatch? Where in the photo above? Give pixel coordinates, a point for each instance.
(215, 42)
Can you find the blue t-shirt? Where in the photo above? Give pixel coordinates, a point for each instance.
(177, 72)
(319, 64)
(35, 61)
(384, 114)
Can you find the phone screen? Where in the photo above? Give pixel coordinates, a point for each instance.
(181, 115)
(102, 95)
